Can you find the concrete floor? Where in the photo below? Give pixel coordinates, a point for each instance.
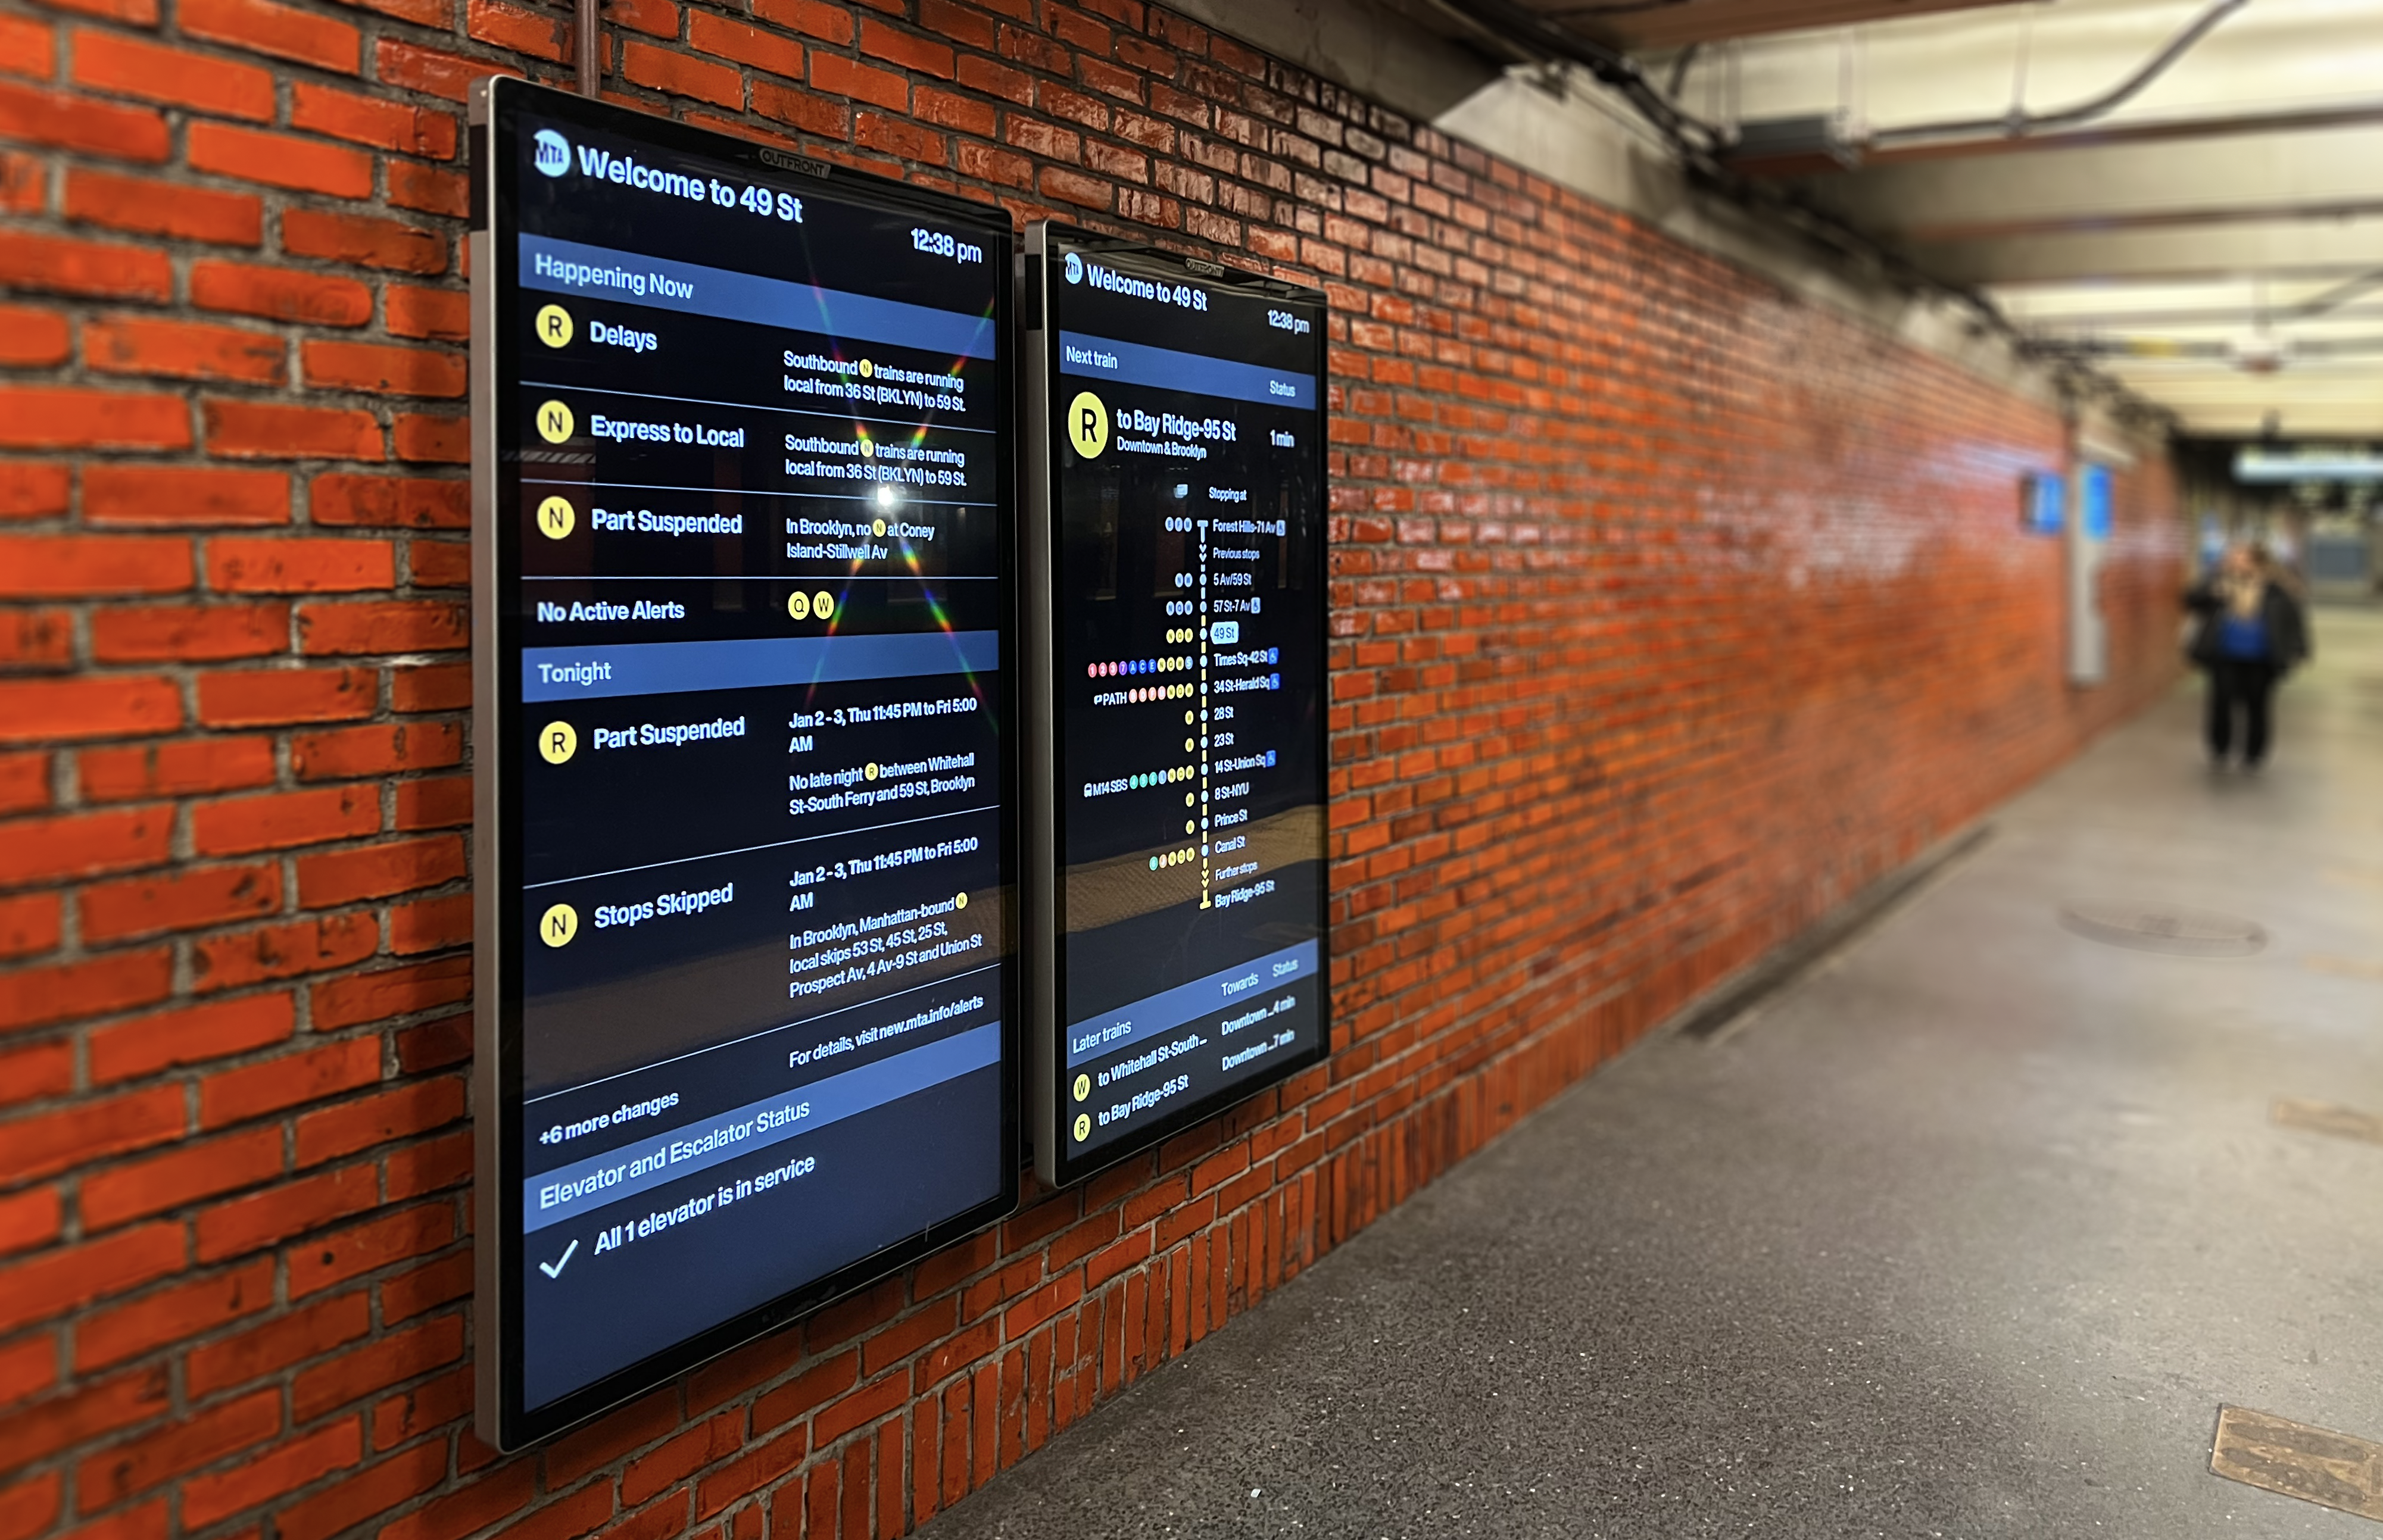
(1969, 1232)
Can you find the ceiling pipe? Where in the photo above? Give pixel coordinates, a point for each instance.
(1679, 76)
(2323, 303)
(1518, 30)
(2331, 299)
(2265, 355)
(1699, 145)
(1702, 147)
(2018, 124)
(1620, 7)
(587, 38)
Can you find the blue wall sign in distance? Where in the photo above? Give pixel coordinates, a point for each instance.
(2044, 503)
(1175, 592)
(744, 728)
(2093, 501)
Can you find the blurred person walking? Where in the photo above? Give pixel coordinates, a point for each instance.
(2252, 631)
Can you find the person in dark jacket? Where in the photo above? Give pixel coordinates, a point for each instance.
(2252, 631)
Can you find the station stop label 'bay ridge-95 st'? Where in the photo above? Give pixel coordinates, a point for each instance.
(756, 683)
(746, 630)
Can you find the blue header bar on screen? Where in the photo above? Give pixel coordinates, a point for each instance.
(676, 668)
(1099, 1036)
(1168, 369)
(598, 1181)
(569, 267)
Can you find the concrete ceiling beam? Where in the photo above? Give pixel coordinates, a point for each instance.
(2331, 174)
(2230, 300)
(2277, 56)
(2229, 124)
(1641, 27)
(2296, 250)
(2318, 422)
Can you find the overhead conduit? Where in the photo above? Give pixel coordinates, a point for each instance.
(1703, 149)
(2018, 124)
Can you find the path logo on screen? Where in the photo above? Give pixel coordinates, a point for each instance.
(1075, 268)
(553, 151)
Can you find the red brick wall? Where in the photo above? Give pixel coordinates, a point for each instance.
(1670, 609)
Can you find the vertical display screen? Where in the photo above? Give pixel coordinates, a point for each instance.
(743, 734)
(1183, 415)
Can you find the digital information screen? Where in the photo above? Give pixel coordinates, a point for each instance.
(746, 607)
(1176, 602)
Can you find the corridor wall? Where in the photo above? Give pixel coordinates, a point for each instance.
(1670, 608)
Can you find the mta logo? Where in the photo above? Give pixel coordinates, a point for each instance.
(1075, 268)
(554, 152)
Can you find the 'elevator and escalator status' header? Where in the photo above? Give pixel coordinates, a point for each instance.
(1176, 565)
(743, 723)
